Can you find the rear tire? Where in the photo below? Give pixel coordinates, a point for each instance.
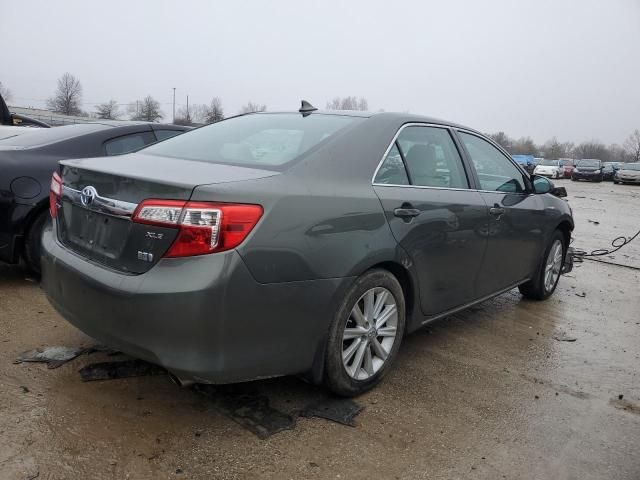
(546, 278)
(33, 242)
(616, 182)
(360, 348)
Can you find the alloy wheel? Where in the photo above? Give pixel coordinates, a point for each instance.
(553, 265)
(369, 333)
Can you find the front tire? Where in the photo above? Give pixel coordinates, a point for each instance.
(33, 242)
(365, 335)
(545, 280)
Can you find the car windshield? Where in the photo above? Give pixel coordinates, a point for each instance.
(45, 136)
(266, 140)
(549, 163)
(630, 166)
(588, 163)
(566, 162)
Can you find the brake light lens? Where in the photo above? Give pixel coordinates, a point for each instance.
(54, 194)
(204, 227)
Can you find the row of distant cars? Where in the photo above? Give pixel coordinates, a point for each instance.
(590, 169)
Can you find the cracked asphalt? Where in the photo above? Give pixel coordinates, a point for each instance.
(488, 393)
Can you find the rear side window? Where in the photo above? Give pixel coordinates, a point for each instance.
(128, 143)
(258, 140)
(164, 134)
(427, 157)
(392, 171)
(495, 171)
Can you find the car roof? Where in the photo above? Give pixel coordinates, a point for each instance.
(402, 117)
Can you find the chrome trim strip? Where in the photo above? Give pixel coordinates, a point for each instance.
(109, 206)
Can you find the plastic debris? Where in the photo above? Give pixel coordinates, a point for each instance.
(339, 410)
(52, 356)
(115, 370)
(251, 411)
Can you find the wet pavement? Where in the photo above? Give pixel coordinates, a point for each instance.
(498, 391)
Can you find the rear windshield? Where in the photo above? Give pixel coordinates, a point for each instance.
(588, 163)
(45, 136)
(630, 166)
(259, 140)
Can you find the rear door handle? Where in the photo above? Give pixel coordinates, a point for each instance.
(406, 212)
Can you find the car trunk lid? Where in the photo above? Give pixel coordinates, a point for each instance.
(99, 197)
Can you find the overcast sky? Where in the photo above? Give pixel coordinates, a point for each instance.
(538, 68)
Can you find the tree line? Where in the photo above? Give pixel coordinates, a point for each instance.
(67, 100)
(629, 151)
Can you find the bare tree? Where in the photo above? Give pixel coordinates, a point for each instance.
(66, 99)
(147, 110)
(523, 146)
(632, 146)
(501, 139)
(214, 112)
(555, 149)
(592, 149)
(184, 116)
(108, 110)
(348, 103)
(5, 93)
(252, 107)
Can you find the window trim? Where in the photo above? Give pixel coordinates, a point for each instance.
(525, 175)
(462, 156)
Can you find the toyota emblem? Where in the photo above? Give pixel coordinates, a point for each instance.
(87, 195)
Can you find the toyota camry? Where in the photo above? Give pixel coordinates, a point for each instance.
(299, 243)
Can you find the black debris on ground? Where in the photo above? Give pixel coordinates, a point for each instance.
(563, 337)
(251, 411)
(115, 370)
(24, 389)
(339, 410)
(581, 295)
(52, 356)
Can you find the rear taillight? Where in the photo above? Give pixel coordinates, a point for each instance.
(54, 194)
(204, 227)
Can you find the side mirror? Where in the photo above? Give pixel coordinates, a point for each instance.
(541, 184)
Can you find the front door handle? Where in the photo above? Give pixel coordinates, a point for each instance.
(496, 210)
(406, 212)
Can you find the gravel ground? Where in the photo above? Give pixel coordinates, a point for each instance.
(484, 394)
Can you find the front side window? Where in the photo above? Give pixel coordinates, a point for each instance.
(495, 171)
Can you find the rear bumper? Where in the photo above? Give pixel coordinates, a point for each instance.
(203, 318)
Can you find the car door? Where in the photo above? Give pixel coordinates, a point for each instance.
(424, 189)
(517, 217)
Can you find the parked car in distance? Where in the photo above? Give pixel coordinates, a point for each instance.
(609, 170)
(528, 162)
(295, 243)
(627, 173)
(588, 169)
(567, 165)
(548, 168)
(28, 160)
